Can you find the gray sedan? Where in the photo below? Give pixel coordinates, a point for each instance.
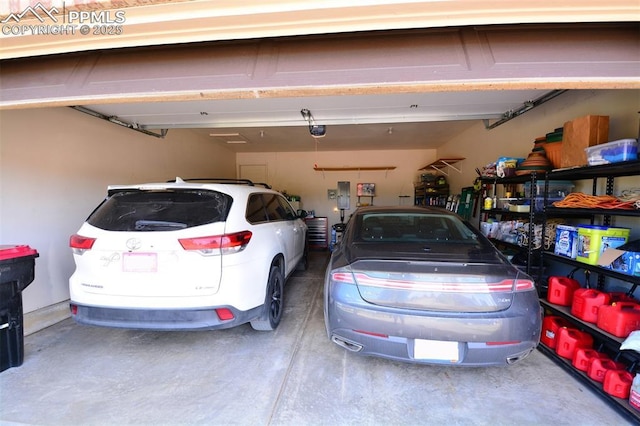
(422, 285)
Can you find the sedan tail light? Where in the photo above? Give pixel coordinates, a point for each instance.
(80, 244)
(217, 244)
(436, 284)
(524, 285)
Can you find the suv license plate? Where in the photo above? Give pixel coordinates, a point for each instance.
(140, 262)
(436, 350)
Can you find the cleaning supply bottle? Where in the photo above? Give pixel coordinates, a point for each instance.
(488, 203)
(634, 394)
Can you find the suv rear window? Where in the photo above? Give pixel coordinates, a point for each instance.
(161, 210)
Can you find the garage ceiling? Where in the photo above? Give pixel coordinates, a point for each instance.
(398, 121)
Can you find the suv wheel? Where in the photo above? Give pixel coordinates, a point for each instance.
(273, 303)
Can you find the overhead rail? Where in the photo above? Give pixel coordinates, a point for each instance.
(527, 106)
(115, 120)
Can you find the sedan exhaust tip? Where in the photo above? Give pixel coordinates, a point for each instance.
(348, 345)
(519, 357)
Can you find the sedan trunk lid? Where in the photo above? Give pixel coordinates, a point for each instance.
(440, 286)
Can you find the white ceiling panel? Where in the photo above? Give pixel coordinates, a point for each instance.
(397, 121)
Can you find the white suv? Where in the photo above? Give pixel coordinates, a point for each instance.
(188, 254)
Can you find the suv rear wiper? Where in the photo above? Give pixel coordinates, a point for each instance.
(158, 225)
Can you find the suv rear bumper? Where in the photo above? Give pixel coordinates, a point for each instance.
(161, 319)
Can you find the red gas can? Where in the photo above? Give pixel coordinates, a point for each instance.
(570, 339)
(619, 319)
(618, 383)
(586, 302)
(599, 367)
(550, 326)
(618, 296)
(561, 290)
(582, 358)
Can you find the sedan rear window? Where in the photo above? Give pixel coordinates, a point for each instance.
(160, 210)
(410, 227)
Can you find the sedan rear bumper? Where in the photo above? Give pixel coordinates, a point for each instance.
(161, 319)
(483, 339)
(470, 354)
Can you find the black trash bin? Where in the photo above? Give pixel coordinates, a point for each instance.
(16, 273)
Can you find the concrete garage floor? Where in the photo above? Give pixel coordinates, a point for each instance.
(85, 375)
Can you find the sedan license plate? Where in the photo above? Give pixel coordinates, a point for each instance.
(140, 262)
(436, 350)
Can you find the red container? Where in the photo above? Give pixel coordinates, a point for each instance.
(570, 339)
(586, 302)
(550, 326)
(582, 358)
(599, 367)
(618, 383)
(619, 319)
(561, 290)
(617, 296)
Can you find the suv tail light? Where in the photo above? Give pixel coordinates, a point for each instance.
(80, 244)
(217, 244)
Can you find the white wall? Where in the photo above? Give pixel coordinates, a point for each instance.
(294, 172)
(55, 165)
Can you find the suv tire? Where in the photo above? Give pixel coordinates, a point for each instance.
(273, 303)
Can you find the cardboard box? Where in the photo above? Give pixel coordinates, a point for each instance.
(625, 262)
(582, 133)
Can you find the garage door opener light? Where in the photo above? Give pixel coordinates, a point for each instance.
(316, 130)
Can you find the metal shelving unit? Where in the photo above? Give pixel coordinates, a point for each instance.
(604, 339)
(532, 216)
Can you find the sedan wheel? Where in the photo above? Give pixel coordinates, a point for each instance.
(273, 304)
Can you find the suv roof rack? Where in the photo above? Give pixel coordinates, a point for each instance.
(223, 180)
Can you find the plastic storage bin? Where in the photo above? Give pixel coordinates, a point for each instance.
(557, 189)
(17, 272)
(612, 152)
(594, 239)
